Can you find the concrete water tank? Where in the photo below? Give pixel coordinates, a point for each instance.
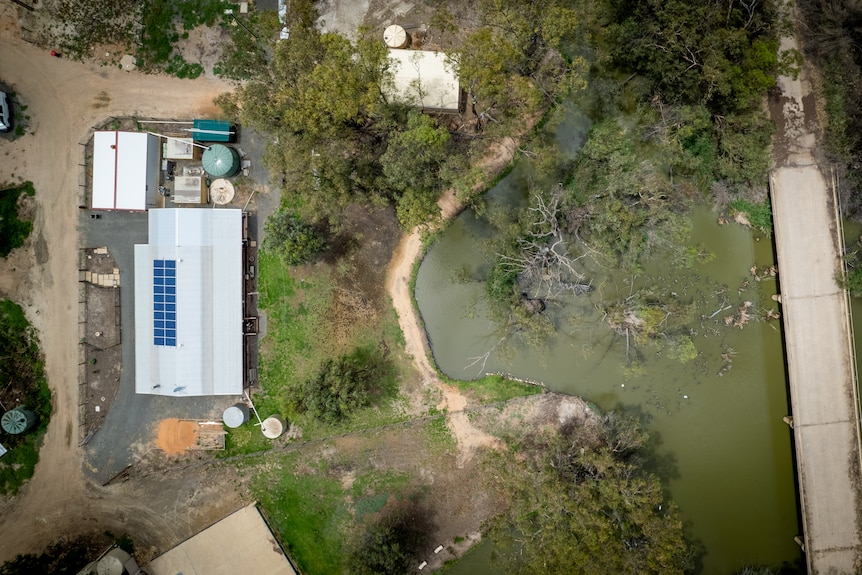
(273, 426)
(221, 161)
(235, 415)
(222, 192)
(395, 36)
(18, 420)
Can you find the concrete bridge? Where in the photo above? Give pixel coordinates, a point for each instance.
(818, 338)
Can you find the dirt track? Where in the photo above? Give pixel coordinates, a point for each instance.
(65, 100)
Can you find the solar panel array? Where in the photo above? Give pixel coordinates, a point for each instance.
(165, 302)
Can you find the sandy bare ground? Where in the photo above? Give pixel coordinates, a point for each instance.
(65, 100)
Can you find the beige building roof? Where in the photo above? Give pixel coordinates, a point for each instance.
(424, 79)
(239, 543)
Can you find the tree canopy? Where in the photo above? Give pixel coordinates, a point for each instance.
(585, 506)
(723, 54)
(294, 240)
(345, 384)
(339, 136)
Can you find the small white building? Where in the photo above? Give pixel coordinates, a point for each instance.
(188, 304)
(425, 79)
(125, 170)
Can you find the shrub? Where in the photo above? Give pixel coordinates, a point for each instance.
(345, 384)
(296, 241)
(13, 231)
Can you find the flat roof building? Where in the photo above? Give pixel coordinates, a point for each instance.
(425, 79)
(239, 543)
(188, 304)
(125, 170)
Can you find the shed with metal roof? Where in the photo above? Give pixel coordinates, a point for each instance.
(125, 170)
(188, 304)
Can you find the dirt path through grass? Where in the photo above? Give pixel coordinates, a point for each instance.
(398, 274)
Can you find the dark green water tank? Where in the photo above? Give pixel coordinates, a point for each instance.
(220, 161)
(17, 421)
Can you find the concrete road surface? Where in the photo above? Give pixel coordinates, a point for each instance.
(820, 360)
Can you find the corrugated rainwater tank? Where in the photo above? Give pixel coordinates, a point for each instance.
(17, 421)
(221, 161)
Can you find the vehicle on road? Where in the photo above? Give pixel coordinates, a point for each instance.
(5, 113)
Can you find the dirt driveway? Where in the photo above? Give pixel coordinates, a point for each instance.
(65, 99)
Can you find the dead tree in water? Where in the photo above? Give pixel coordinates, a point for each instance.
(543, 264)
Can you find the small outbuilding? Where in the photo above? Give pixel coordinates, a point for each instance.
(425, 79)
(239, 543)
(125, 170)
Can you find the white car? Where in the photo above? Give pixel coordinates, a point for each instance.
(5, 113)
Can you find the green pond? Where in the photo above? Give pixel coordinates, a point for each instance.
(723, 451)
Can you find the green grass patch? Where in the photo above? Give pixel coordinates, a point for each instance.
(296, 302)
(371, 491)
(308, 512)
(760, 215)
(295, 316)
(494, 388)
(13, 231)
(22, 384)
(439, 438)
(161, 22)
(248, 438)
(17, 466)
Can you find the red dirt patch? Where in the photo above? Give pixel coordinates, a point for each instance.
(175, 436)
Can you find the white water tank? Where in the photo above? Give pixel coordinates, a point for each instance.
(273, 426)
(395, 36)
(235, 415)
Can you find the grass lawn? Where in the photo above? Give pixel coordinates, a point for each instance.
(299, 305)
(13, 231)
(308, 511)
(22, 384)
(494, 388)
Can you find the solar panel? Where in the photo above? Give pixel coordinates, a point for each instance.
(165, 303)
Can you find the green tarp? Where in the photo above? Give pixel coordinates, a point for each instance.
(212, 131)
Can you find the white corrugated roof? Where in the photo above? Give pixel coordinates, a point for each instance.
(122, 168)
(206, 358)
(424, 79)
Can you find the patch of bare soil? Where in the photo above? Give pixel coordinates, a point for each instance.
(100, 339)
(203, 46)
(470, 438)
(175, 436)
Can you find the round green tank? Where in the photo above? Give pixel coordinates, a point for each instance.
(17, 421)
(221, 161)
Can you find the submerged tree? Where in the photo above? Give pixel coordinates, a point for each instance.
(542, 264)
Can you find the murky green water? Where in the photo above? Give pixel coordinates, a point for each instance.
(723, 451)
